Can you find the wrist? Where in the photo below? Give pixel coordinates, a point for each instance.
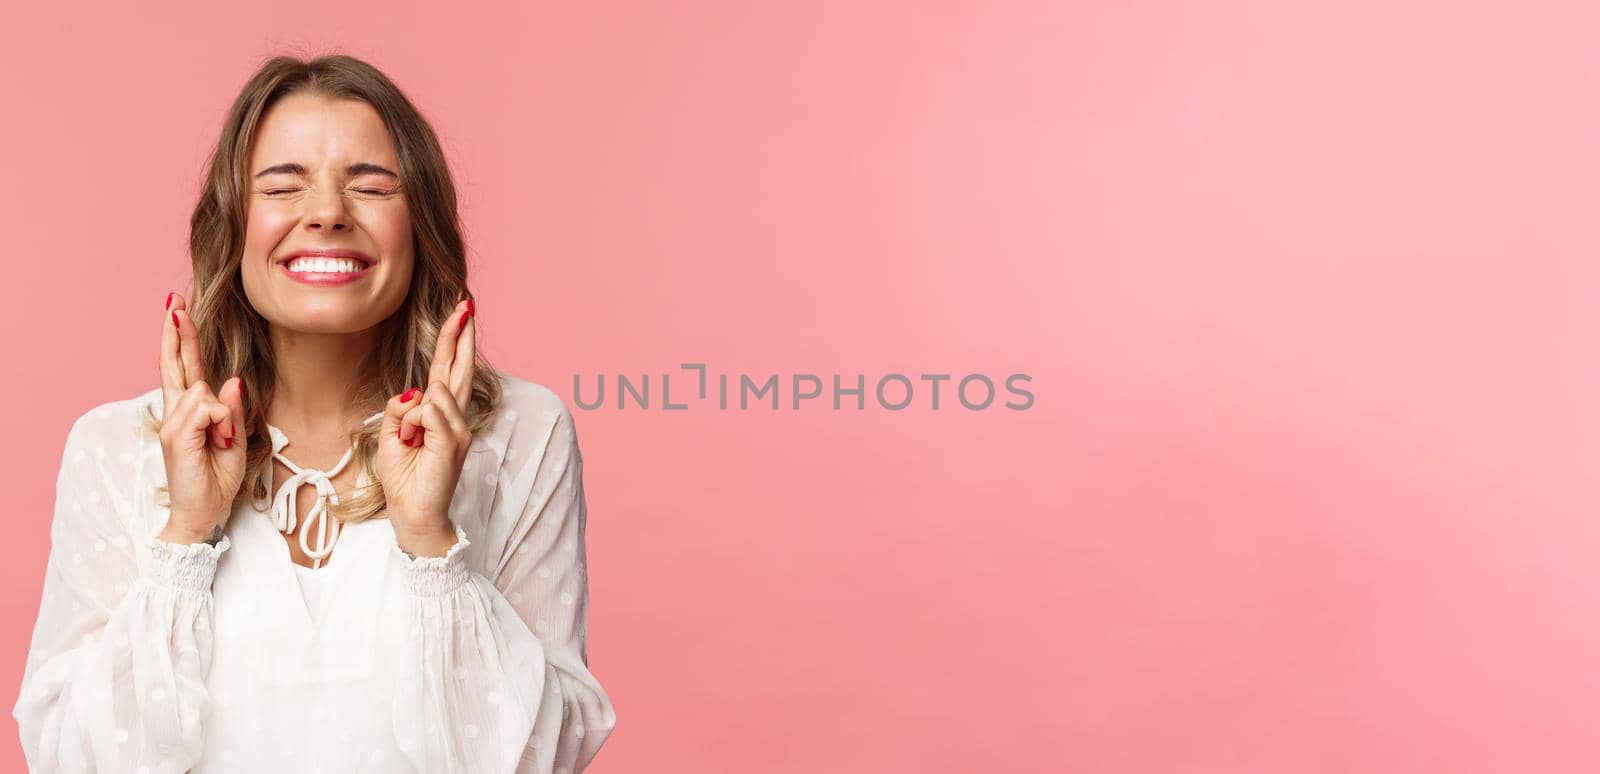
(432, 541)
(435, 566)
(182, 535)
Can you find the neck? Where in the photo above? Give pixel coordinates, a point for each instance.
(316, 378)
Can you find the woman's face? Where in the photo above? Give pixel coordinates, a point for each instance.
(323, 179)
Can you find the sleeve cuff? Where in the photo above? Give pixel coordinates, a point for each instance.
(188, 567)
(429, 576)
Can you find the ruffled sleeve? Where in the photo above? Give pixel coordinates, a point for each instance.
(502, 681)
(115, 678)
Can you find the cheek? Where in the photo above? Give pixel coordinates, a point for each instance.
(392, 228)
(265, 226)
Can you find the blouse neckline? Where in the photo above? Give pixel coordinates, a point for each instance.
(283, 508)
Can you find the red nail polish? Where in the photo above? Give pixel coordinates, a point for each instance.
(227, 443)
(464, 315)
(175, 319)
(405, 397)
(470, 310)
(169, 299)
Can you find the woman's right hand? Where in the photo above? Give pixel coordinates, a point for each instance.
(200, 439)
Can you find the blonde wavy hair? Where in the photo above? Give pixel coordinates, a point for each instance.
(233, 337)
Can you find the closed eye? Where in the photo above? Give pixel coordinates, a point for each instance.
(367, 191)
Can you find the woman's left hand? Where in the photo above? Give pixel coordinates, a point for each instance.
(425, 439)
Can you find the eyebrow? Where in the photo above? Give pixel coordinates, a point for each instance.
(353, 170)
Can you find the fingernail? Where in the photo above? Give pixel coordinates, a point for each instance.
(227, 443)
(464, 316)
(470, 310)
(175, 320)
(405, 397)
(169, 298)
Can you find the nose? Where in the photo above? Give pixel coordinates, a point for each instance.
(325, 210)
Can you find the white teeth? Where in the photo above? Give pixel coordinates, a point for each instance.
(325, 265)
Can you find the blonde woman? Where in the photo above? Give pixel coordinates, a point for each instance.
(334, 539)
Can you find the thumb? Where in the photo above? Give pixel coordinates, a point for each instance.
(394, 413)
(232, 396)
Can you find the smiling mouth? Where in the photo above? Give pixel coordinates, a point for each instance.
(315, 265)
(325, 272)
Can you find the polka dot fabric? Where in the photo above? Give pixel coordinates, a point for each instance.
(153, 657)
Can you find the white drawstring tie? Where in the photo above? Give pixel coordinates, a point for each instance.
(285, 513)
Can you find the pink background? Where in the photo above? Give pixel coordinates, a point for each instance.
(1307, 292)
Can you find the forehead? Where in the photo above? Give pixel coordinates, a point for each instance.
(315, 130)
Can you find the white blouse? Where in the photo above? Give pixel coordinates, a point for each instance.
(153, 657)
(313, 586)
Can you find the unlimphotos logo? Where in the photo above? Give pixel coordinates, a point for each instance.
(892, 391)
